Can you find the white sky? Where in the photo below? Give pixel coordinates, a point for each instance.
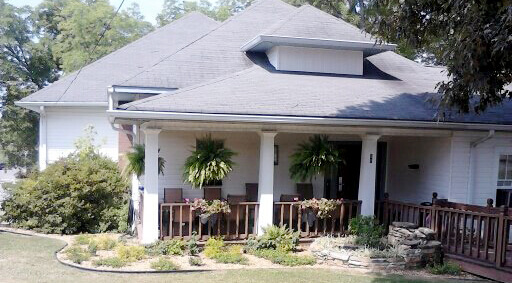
(149, 8)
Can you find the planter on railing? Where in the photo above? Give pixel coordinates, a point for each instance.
(181, 220)
(309, 224)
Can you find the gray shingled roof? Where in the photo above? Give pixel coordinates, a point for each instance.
(217, 53)
(91, 85)
(392, 88)
(310, 22)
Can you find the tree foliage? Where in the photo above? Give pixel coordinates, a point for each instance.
(175, 9)
(471, 38)
(83, 192)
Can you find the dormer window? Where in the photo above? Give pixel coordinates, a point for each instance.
(315, 55)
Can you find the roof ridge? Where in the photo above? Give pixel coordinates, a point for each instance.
(339, 20)
(210, 82)
(280, 23)
(255, 4)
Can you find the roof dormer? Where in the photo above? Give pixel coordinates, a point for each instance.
(313, 41)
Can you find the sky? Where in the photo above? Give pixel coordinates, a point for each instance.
(149, 8)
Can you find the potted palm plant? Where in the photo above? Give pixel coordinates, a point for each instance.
(208, 164)
(314, 157)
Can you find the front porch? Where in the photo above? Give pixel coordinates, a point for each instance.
(263, 159)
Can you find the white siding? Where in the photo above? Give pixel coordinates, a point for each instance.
(66, 125)
(433, 157)
(316, 60)
(485, 162)
(175, 147)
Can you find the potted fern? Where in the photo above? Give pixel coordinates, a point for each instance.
(313, 157)
(136, 161)
(209, 163)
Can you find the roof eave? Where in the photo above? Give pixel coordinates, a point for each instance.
(273, 119)
(263, 43)
(34, 105)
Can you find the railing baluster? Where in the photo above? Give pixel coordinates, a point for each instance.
(255, 228)
(479, 235)
(246, 221)
(463, 233)
(471, 227)
(456, 226)
(290, 221)
(181, 221)
(161, 221)
(237, 220)
(171, 212)
(282, 215)
(486, 237)
(190, 221)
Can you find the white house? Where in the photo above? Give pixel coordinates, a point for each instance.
(275, 75)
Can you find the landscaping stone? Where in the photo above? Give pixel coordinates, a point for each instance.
(417, 243)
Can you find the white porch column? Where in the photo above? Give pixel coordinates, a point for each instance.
(43, 158)
(150, 213)
(368, 174)
(266, 181)
(135, 181)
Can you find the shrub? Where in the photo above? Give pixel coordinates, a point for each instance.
(195, 261)
(231, 257)
(115, 262)
(213, 247)
(275, 237)
(193, 248)
(167, 247)
(130, 253)
(285, 258)
(77, 254)
(367, 230)
(446, 268)
(82, 193)
(82, 239)
(92, 247)
(105, 242)
(163, 264)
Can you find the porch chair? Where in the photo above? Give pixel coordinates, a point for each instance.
(251, 192)
(175, 195)
(286, 210)
(305, 190)
(212, 193)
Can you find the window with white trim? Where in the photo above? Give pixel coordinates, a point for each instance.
(505, 172)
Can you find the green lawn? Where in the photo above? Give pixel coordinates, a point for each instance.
(31, 259)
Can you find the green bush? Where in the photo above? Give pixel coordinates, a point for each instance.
(230, 257)
(367, 231)
(163, 264)
(213, 247)
(82, 193)
(105, 242)
(167, 247)
(82, 239)
(130, 253)
(274, 237)
(92, 247)
(77, 254)
(446, 268)
(115, 262)
(195, 261)
(284, 258)
(192, 246)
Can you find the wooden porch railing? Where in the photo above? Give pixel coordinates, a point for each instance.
(180, 220)
(290, 214)
(477, 234)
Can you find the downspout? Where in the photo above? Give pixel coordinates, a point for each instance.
(471, 180)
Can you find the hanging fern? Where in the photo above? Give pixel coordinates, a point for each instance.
(136, 160)
(210, 161)
(313, 157)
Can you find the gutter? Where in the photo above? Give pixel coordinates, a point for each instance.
(471, 180)
(34, 105)
(270, 119)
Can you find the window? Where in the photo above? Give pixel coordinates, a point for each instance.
(505, 171)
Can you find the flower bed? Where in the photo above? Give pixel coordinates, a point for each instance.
(275, 249)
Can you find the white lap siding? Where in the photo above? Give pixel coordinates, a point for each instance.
(66, 125)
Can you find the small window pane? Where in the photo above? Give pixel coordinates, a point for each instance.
(502, 168)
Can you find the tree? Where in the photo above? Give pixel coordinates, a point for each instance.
(175, 9)
(471, 38)
(344, 9)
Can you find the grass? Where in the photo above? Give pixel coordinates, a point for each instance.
(31, 259)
